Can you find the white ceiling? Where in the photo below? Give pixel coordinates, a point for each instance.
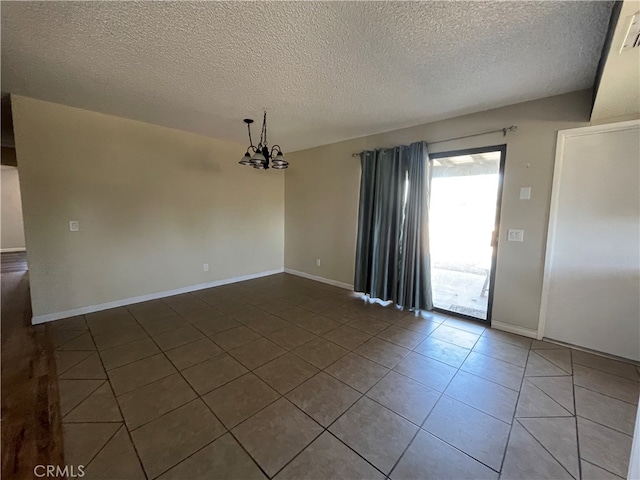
(326, 71)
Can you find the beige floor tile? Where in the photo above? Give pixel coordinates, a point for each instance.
(213, 373)
(129, 377)
(502, 351)
(84, 341)
(149, 402)
(317, 324)
(72, 323)
(202, 315)
(274, 305)
(357, 371)
(604, 364)
(367, 324)
(193, 353)
(604, 447)
(276, 434)
(470, 430)
(559, 389)
(593, 472)
(389, 313)
(128, 353)
(534, 402)
(526, 458)
(89, 368)
(347, 337)
(222, 459)
(82, 441)
(122, 336)
(239, 399)
(401, 336)
(109, 320)
(543, 345)
(537, 366)
(291, 337)
(327, 457)
(178, 337)
(323, 398)
(467, 325)
(486, 396)
(320, 352)
(295, 314)
(117, 460)
(455, 336)
(427, 371)
(100, 406)
(234, 337)
(188, 306)
(605, 410)
(266, 325)
(506, 337)
(404, 396)
(559, 357)
(607, 384)
(165, 323)
(67, 359)
(73, 392)
(443, 352)
(430, 457)
(286, 372)
(418, 324)
(257, 353)
(375, 432)
(559, 437)
(229, 305)
(497, 371)
(248, 313)
(171, 438)
(382, 352)
(216, 325)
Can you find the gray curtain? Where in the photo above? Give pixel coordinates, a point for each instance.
(392, 253)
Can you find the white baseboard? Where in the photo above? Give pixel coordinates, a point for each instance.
(11, 250)
(507, 327)
(328, 281)
(144, 298)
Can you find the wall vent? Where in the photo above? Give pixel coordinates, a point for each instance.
(632, 39)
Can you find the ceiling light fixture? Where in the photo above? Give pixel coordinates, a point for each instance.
(261, 153)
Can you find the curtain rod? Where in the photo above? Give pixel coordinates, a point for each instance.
(504, 131)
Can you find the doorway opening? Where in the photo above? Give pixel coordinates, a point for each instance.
(464, 212)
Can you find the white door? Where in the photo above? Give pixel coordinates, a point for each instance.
(591, 291)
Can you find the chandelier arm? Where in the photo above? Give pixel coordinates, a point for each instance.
(250, 140)
(264, 129)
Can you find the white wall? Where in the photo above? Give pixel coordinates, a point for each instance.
(592, 273)
(153, 203)
(12, 228)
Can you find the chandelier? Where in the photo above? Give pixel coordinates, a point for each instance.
(261, 153)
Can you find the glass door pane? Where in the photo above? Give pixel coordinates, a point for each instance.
(462, 218)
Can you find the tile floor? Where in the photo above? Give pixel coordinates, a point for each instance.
(288, 378)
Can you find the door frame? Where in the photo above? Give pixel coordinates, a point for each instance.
(502, 148)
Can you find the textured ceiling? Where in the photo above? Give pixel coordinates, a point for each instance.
(326, 71)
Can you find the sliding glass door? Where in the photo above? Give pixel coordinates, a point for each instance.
(463, 218)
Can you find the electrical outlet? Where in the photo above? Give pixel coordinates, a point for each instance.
(74, 226)
(205, 267)
(515, 235)
(525, 193)
(317, 262)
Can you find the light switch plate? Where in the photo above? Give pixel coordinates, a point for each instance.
(525, 193)
(515, 235)
(74, 226)
(317, 262)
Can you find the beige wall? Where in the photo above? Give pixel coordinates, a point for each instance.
(12, 228)
(322, 186)
(153, 203)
